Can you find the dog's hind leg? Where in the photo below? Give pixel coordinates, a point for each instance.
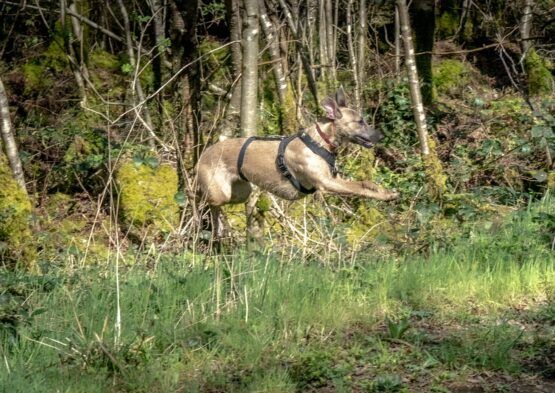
(216, 223)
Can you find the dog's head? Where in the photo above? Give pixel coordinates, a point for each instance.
(349, 124)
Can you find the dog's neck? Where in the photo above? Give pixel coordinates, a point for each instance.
(323, 132)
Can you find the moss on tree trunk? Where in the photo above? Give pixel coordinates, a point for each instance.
(17, 247)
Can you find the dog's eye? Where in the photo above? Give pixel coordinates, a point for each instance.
(361, 122)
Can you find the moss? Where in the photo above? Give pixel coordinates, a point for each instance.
(147, 198)
(55, 56)
(289, 113)
(359, 166)
(235, 217)
(450, 76)
(102, 59)
(538, 70)
(551, 181)
(34, 76)
(68, 233)
(447, 24)
(434, 172)
(58, 205)
(263, 203)
(366, 225)
(17, 247)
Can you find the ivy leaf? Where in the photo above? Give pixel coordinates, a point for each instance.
(180, 198)
(138, 160)
(152, 162)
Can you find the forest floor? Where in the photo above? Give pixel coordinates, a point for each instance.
(474, 315)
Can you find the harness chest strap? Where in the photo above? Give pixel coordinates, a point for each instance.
(280, 159)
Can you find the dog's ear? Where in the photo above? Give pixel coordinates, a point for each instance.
(332, 108)
(340, 97)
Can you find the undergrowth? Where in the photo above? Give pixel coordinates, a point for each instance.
(265, 322)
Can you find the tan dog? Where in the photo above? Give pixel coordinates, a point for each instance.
(226, 169)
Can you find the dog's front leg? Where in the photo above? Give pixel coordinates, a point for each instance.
(336, 185)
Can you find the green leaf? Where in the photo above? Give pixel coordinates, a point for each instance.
(180, 198)
(152, 162)
(126, 68)
(138, 160)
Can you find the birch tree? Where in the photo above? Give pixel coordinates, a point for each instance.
(8, 140)
(249, 80)
(233, 16)
(362, 33)
(352, 54)
(434, 170)
(526, 26)
(273, 46)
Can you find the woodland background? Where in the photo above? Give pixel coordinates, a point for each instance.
(107, 280)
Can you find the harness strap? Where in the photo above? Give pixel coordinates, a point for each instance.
(280, 159)
(280, 162)
(319, 150)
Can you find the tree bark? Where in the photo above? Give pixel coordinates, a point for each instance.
(191, 83)
(352, 54)
(8, 139)
(434, 171)
(526, 26)
(158, 14)
(273, 47)
(414, 84)
(362, 34)
(423, 16)
(303, 52)
(249, 82)
(323, 44)
(233, 109)
(397, 46)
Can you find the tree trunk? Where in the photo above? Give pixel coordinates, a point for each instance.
(434, 171)
(249, 106)
(8, 140)
(234, 107)
(423, 17)
(323, 44)
(191, 82)
(331, 25)
(414, 84)
(273, 47)
(303, 52)
(352, 54)
(362, 34)
(249, 81)
(526, 26)
(70, 50)
(397, 46)
(159, 33)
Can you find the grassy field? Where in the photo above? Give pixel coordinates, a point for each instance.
(475, 314)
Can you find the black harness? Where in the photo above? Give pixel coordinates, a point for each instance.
(280, 159)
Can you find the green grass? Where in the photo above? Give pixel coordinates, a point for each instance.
(258, 323)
